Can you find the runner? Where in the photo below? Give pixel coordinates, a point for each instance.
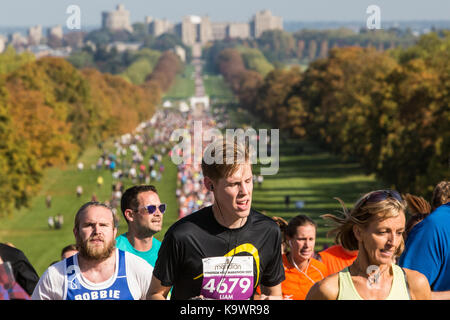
(99, 271)
(336, 258)
(301, 269)
(143, 212)
(418, 209)
(223, 251)
(23, 271)
(375, 227)
(427, 247)
(68, 251)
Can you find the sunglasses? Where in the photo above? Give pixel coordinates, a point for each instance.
(152, 208)
(382, 195)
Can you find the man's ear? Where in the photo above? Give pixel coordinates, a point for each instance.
(208, 183)
(129, 214)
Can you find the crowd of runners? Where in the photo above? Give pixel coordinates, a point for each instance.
(387, 245)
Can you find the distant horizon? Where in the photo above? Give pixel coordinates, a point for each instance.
(26, 13)
(98, 25)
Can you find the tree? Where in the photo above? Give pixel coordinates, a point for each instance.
(10, 60)
(165, 70)
(272, 96)
(277, 45)
(19, 170)
(255, 60)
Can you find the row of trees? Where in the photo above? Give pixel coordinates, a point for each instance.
(389, 110)
(98, 50)
(166, 69)
(50, 111)
(280, 47)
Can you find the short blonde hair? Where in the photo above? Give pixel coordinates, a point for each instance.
(216, 162)
(363, 213)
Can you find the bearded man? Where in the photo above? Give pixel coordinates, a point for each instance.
(99, 271)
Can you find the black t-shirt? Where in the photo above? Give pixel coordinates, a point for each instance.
(199, 235)
(24, 272)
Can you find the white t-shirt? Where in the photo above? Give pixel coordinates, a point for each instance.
(53, 283)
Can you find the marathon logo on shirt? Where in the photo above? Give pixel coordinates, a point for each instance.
(99, 295)
(227, 266)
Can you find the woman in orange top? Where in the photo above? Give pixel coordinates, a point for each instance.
(300, 268)
(337, 258)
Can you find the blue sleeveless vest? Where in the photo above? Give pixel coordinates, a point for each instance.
(118, 290)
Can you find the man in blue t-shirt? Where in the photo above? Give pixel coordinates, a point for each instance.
(143, 212)
(427, 248)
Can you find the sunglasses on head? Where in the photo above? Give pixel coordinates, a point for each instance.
(382, 195)
(152, 208)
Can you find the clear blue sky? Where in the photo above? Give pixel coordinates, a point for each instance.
(51, 12)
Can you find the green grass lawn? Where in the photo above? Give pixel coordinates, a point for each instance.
(183, 86)
(216, 88)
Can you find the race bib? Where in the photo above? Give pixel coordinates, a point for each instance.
(228, 278)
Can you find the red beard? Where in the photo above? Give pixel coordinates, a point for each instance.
(94, 252)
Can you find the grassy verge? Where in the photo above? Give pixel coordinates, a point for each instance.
(183, 87)
(216, 88)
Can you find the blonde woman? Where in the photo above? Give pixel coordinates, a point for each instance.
(375, 228)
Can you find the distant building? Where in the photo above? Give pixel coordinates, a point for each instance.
(205, 30)
(118, 20)
(55, 32)
(3, 41)
(43, 50)
(187, 30)
(18, 41)
(264, 21)
(55, 37)
(199, 30)
(219, 30)
(238, 30)
(124, 46)
(158, 27)
(194, 29)
(35, 35)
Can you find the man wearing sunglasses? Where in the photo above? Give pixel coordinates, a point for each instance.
(143, 212)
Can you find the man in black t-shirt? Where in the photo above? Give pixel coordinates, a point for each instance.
(24, 272)
(226, 250)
